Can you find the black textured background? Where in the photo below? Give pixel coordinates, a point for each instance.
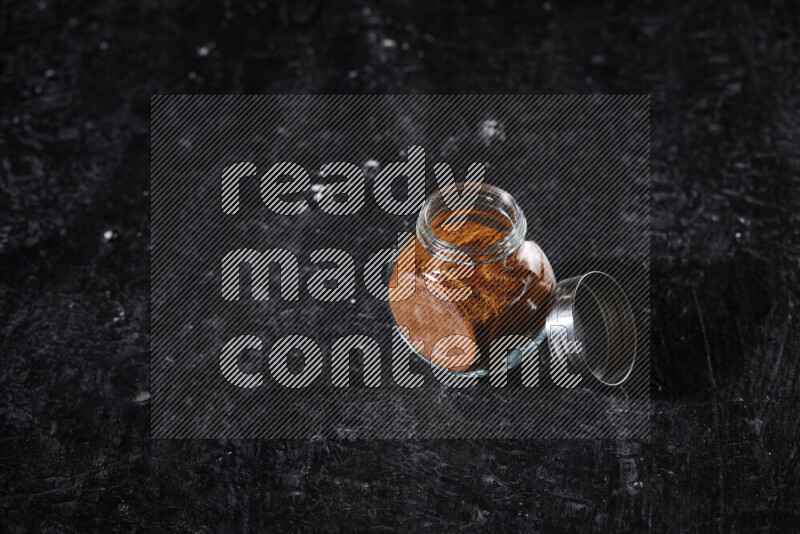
(77, 77)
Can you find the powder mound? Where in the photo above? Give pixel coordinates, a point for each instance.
(504, 293)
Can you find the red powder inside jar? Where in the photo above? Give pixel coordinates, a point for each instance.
(506, 295)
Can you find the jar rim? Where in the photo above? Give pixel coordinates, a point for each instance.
(450, 252)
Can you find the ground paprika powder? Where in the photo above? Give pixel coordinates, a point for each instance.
(475, 277)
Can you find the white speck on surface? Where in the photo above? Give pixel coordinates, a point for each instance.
(320, 194)
(352, 74)
(405, 46)
(316, 188)
(389, 43)
(103, 45)
(352, 301)
(370, 167)
(205, 49)
(142, 396)
(547, 6)
(110, 235)
(492, 131)
(49, 73)
(738, 235)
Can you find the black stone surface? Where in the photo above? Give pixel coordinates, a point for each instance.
(75, 452)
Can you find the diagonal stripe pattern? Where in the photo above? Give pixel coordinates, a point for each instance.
(235, 177)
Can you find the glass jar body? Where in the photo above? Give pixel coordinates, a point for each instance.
(468, 280)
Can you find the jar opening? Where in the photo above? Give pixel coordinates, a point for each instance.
(471, 225)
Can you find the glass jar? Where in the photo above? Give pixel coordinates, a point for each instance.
(475, 279)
